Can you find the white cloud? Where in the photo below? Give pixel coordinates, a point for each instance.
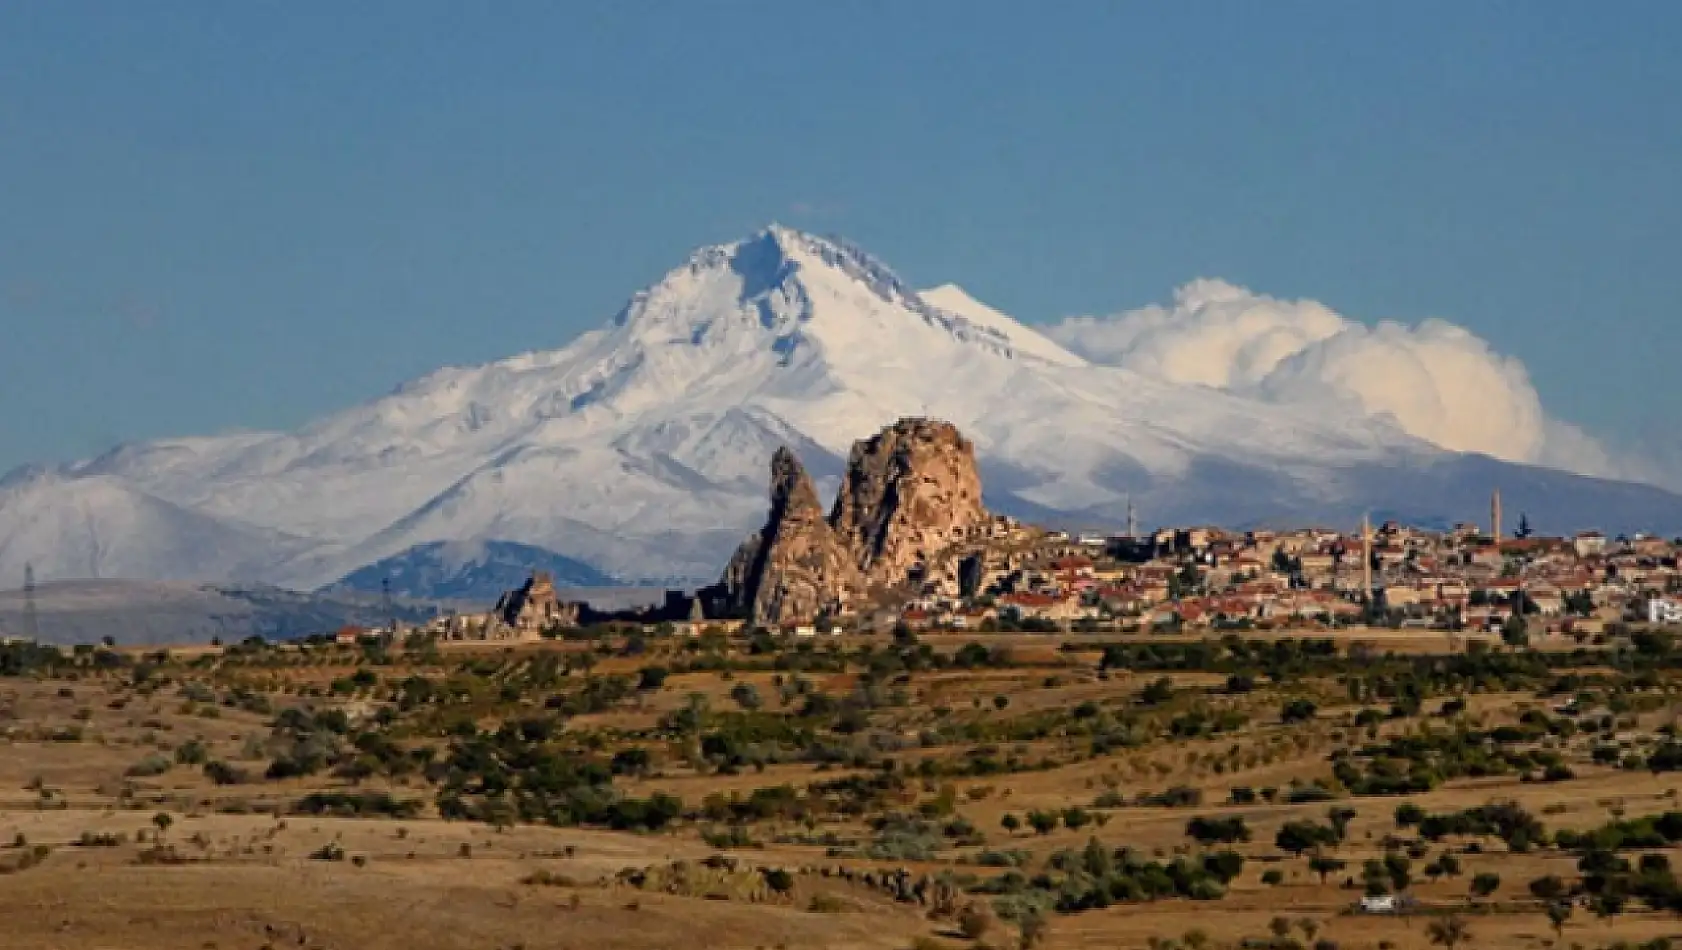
(1214, 334)
(1436, 381)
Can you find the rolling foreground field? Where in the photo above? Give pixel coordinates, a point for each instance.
(630, 791)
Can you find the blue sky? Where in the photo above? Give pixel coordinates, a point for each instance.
(218, 216)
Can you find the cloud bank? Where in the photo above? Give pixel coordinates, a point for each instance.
(1435, 381)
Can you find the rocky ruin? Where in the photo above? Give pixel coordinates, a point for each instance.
(910, 494)
(534, 607)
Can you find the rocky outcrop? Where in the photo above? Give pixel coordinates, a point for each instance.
(910, 493)
(793, 567)
(534, 606)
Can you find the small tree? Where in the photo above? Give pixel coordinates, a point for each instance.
(1338, 819)
(1484, 884)
(162, 820)
(1448, 932)
(1206, 831)
(1031, 928)
(1158, 692)
(1549, 888)
(779, 880)
(1043, 822)
(746, 696)
(1010, 822)
(1297, 710)
(1324, 864)
(1514, 631)
(1607, 905)
(1299, 836)
(1400, 871)
(1559, 912)
(974, 922)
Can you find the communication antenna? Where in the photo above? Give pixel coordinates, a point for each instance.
(31, 619)
(385, 603)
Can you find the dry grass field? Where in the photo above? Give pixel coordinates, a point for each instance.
(955, 791)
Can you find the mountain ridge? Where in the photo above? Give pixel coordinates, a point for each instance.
(469, 571)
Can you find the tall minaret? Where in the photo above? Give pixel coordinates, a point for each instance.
(1132, 519)
(31, 619)
(1366, 558)
(1495, 515)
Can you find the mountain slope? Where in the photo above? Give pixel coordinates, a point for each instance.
(639, 449)
(954, 299)
(101, 526)
(467, 570)
(140, 613)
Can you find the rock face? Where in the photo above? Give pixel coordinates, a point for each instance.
(794, 566)
(534, 606)
(909, 493)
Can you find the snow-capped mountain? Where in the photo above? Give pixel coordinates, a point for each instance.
(641, 448)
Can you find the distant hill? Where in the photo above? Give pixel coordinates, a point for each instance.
(474, 571)
(142, 613)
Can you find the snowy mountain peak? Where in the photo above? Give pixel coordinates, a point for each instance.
(767, 264)
(804, 297)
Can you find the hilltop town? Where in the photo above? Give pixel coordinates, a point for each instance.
(908, 544)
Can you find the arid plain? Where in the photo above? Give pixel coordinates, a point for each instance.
(632, 790)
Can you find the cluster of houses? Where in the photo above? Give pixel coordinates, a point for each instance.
(1208, 579)
(1395, 575)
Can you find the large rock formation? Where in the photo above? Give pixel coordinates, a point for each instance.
(534, 606)
(910, 493)
(794, 566)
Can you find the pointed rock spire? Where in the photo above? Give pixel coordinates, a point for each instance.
(793, 567)
(792, 491)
